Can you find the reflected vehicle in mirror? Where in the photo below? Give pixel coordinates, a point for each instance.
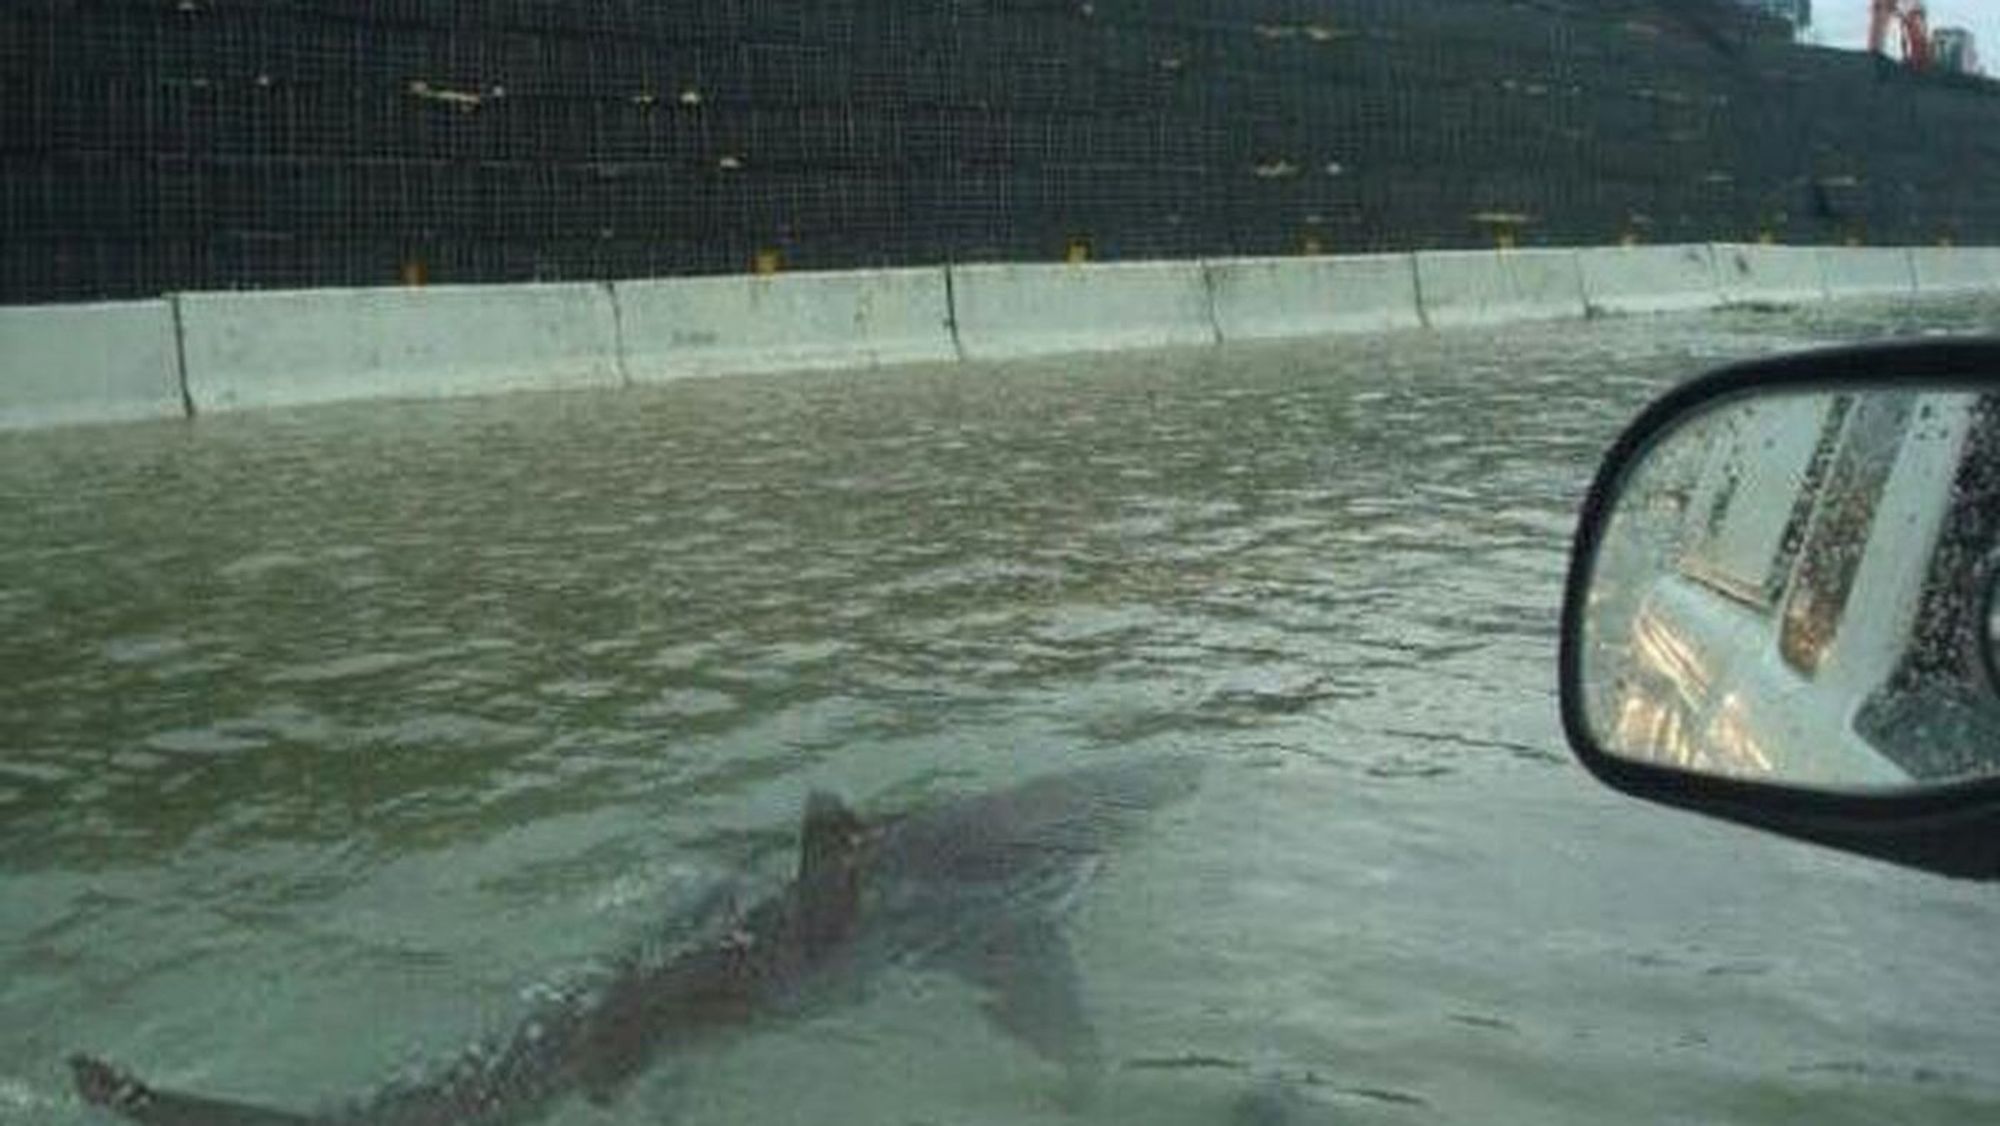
(1789, 589)
(1782, 603)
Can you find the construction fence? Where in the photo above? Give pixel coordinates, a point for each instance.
(149, 146)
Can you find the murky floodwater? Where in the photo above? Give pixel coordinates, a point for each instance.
(327, 735)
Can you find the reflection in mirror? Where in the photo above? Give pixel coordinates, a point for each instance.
(1797, 587)
(1990, 653)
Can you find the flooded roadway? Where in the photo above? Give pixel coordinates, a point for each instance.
(328, 736)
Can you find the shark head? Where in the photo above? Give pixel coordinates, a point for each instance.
(832, 838)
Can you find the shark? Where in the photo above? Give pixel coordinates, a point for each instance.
(977, 886)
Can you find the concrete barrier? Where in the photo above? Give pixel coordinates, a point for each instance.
(1649, 279)
(1755, 274)
(1867, 271)
(727, 325)
(1986, 276)
(1273, 298)
(1482, 287)
(1027, 310)
(63, 364)
(1956, 269)
(224, 351)
(1986, 271)
(314, 346)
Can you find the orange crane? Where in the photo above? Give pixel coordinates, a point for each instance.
(1912, 20)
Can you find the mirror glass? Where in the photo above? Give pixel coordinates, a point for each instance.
(1992, 643)
(1798, 587)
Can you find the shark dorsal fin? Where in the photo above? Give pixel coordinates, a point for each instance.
(829, 878)
(829, 834)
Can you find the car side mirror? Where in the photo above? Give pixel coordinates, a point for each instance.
(1784, 603)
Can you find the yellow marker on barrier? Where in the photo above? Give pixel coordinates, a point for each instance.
(1505, 225)
(1077, 252)
(415, 273)
(767, 262)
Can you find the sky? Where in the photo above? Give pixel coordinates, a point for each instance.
(1844, 23)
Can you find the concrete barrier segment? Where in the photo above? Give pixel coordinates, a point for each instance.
(68, 364)
(1485, 287)
(294, 347)
(1649, 279)
(1276, 298)
(1955, 269)
(1759, 274)
(1005, 311)
(680, 327)
(1867, 271)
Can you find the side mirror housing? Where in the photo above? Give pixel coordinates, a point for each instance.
(1782, 606)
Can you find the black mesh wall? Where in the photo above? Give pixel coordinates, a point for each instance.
(154, 145)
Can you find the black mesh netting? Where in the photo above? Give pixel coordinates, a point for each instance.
(153, 145)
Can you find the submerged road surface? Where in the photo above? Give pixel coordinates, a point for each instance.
(333, 740)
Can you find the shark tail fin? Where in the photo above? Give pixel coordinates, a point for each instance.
(105, 1085)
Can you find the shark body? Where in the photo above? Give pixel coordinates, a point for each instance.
(976, 886)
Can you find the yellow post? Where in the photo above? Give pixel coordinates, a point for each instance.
(1078, 250)
(1505, 226)
(768, 262)
(415, 273)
